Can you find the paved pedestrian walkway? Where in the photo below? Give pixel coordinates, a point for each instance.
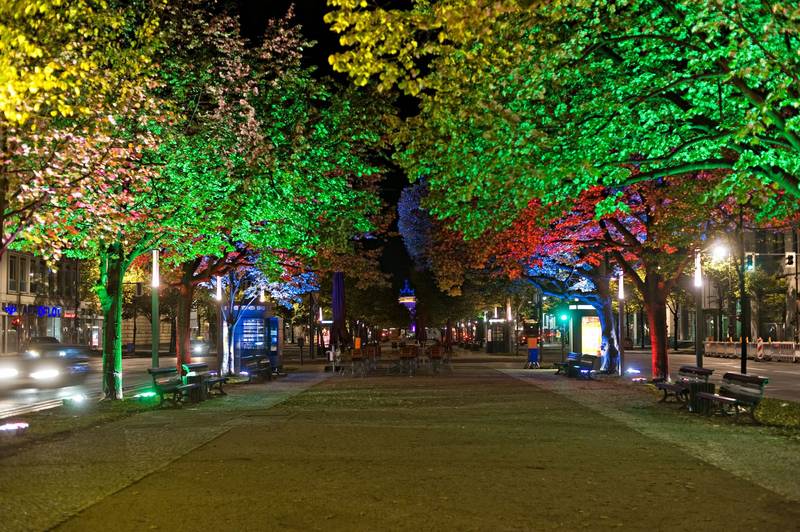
(474, 450)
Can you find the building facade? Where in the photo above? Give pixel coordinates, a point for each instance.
(36, 300)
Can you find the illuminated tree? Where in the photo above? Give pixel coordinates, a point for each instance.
(69, 71)
(521, 101)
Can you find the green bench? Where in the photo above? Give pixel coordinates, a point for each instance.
(168, 384)
(680, 388)
(255, 367)
(737, 392)
(210, 380)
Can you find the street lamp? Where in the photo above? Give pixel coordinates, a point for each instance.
(221, 330)
(621, 304)
(698, 309)
(719, 252)
(155, 333)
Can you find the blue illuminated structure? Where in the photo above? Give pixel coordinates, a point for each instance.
(409, 300)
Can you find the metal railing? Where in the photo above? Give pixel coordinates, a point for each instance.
(777, 351)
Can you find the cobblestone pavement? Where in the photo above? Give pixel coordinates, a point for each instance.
(475, 449)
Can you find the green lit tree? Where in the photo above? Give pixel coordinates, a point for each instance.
(521, 100)
(68, 72)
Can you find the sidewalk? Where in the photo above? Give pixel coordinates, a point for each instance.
(51, 481)
(473, 450)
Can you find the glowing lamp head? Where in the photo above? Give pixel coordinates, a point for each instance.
(564, 317)
(719, 252)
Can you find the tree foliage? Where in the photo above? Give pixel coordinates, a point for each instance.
(523, 100)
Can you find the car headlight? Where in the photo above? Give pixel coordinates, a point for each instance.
(198, 349)
(33, 353)
(8, 373)
(45, 374)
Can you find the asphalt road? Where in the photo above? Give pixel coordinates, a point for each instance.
(14, 402)
(784, 377)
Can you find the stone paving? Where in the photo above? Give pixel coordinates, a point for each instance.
(476, 449)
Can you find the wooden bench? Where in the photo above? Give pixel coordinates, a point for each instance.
(256, 367)
(680, 388)
(737, 391)
(211, 380)
(572, 359)
(167, 382)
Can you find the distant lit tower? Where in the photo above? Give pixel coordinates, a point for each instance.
(409, 300)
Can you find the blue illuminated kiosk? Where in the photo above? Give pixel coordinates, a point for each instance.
(257, 333)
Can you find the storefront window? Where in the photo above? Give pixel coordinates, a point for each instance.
(71, 281)
(13, 273)
(24, 274)
(52, 282)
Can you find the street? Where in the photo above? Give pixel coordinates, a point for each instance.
(19, 401)
(475, 449)
(784, 378)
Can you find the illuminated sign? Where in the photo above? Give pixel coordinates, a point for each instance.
(41, 311)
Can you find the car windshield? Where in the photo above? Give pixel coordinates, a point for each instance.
(44, 340)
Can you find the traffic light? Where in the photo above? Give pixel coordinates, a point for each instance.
(749, 261)
(790, 258)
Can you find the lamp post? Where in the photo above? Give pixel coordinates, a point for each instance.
(220, 324)
(718, 253)
(155, 332)
(744, 301)
(698, 310)
(565, 321)
(621, 325)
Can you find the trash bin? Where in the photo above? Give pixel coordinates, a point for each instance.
(533, 353)
(201, 392)
(697, 404)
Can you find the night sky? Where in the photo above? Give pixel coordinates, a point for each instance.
(309, 13)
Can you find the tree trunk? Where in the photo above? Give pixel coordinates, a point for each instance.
(109, 290)
(173, 338)
(610, 341)
(230, 350)
(184, 313)
(655, 301)
(312, 337)
(675, 325)
(134, 325)
(184, 324)
(340, 338)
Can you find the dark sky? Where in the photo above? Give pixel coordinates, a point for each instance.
(309, 13)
